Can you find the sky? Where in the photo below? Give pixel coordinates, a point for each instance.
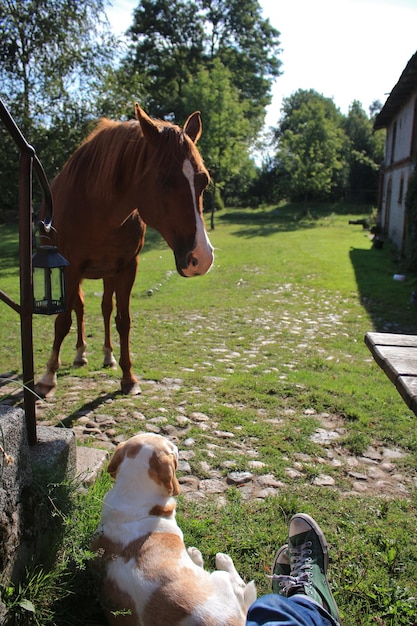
(344, 49)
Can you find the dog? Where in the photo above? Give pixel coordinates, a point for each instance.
(149, 578)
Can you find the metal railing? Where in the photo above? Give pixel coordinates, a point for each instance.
(27, 163)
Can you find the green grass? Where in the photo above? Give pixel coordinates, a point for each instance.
(273, 332)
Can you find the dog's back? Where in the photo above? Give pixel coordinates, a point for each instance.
(149, 578)
(154, 582)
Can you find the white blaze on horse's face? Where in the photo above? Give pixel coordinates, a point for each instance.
(201, 257)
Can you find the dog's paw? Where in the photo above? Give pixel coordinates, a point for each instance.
(196, 556)
(224, 563)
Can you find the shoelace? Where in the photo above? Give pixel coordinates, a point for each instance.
(301, 561)
(288, 582)
(301, 567)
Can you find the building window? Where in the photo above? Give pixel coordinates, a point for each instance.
(387, 206)
(414, 135)
(394, 139)
(401, 191)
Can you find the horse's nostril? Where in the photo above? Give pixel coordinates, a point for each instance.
(191, 260)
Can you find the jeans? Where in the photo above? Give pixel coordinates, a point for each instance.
(298, 610)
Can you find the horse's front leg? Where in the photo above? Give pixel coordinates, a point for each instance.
(81, 346)
(124, 284)
(107, 310)
(46, 385)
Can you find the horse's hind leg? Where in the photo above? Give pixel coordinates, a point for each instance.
(107, 309)
(124, 284)
(81, 346)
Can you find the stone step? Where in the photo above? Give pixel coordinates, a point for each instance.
(90, 462)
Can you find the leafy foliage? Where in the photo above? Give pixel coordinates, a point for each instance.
(311, 145)
(366, 153)
(50, 55)
(224, 143)
(320, 153)
(173, 41)
(49, 49)
(216, 56)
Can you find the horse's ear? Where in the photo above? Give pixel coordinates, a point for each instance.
(149, 128)
(193, 126)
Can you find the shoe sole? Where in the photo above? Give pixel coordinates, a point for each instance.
(281, 550)
(278, 554)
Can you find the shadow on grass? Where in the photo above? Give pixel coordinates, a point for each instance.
(286, 218)
(386, 300)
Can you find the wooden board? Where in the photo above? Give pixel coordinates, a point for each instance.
(397, 356)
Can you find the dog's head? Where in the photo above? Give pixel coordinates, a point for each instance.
(147, 457)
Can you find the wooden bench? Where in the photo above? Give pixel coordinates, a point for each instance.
(397, 357)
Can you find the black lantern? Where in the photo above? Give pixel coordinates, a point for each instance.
(48, 268)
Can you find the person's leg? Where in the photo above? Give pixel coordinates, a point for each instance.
(275, 609)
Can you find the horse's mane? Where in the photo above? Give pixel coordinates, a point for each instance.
(116, 154)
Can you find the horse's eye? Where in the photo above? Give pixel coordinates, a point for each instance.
(202, 180)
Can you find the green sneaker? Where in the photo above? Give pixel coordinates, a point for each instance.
(281, 570)
(309, 558)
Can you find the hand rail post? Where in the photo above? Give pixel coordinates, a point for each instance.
(26, 291)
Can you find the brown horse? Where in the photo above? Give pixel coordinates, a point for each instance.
(124, 176)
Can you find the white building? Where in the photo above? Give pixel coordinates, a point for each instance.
(399, 117)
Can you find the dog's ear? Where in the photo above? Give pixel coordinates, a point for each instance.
(116, 459)
(169, 477)
(162, 471)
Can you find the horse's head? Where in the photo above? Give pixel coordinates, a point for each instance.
(176, 180)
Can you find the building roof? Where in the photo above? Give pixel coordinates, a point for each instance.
(399, 95)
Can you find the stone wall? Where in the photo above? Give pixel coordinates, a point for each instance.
(25, 518)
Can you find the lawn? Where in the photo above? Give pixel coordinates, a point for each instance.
(271, 338)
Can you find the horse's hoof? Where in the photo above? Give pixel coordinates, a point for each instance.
(44, 391)
(111, 365)
(80, 362)
(131, 389)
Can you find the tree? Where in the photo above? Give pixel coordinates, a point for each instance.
(173, 39)
(48, 50)
(366, 152)
(248, 46)
(51, 52)
(217, 56)
(311, 146)
(224, 143)
(167, 46)
(118, 90)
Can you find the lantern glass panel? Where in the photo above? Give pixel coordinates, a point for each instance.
(41, 289)
(57, 286)
(48, 268)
